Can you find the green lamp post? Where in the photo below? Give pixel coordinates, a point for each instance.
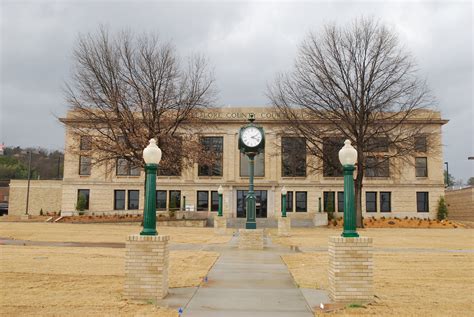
(220, 191)
(152, 157)
(251, 143)
(283, 202)
(348, 157)
(319, 204)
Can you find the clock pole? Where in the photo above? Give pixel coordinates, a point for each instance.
(250, 199)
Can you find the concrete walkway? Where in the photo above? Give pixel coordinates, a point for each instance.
(249, 283)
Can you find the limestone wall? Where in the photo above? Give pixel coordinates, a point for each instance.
(44, 194)
(460, 204)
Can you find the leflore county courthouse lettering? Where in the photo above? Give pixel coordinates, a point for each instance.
(412, 189)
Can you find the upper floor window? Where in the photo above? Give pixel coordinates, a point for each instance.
(421, 167)
(85, 165)
(214, 145)
(125, 168)
(331, 165)
(420, 144)
(293, 156)
(377, 144)
(85, 143)
(259, 165)
(377, 167)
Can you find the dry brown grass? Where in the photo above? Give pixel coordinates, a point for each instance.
(58, 281)
(407, 283)
(102, 232)
(456, 239)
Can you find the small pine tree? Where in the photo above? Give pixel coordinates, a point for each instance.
(81, 203)
(442, 209)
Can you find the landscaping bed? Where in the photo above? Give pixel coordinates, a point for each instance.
(395, 222)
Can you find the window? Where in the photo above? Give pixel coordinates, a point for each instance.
(289, 201)
(119, 199)
(293, 157)
(329, 201)
(85, 143)
(124, 168)
(133, 199)
(377, 167)
(371, 201)
(301, 202)
(421, 167)
(420, 144)
(214, 201)
(340, 201)
(377, 144)
(385, 202)
(202, 201)
(331, 165)
(84, 193)
(175, 200)
(259, 165)
(161, 200)
(213, 145)
(84, 165)
(422, 202)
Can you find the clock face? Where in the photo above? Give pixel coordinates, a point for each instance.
(251, 137)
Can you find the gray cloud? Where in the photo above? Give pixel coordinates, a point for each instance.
(246, 42)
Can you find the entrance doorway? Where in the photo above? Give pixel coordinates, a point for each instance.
(261, 203)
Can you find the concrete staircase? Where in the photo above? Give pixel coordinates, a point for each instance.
(268, 223)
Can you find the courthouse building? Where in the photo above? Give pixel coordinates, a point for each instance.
(409, 190)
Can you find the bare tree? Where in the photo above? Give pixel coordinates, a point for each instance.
(356, 83)
(126, 89)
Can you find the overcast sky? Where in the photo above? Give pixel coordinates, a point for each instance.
(247, 43)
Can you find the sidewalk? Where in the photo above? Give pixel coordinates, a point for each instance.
(248, 283)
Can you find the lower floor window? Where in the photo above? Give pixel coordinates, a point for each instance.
(329, 201)
(422, 202)
(175, 199)
(371, 201)
(301, 202)
(202, 201)
(340, 201)
(385, 202)
(161, 200)
(119, 199)
(214, 201)
(82, 199)
(133, 198)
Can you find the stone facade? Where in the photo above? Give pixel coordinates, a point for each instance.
(320, 219)
(351, 270)
(44, 195)
(220, 225)
(460, 203)
(251, 239)
(284, 226)
(146, 267)
(103, 180)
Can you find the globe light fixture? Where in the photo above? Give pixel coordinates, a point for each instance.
(152, 157)
(220, 191)
(348, 158)
(283, 201)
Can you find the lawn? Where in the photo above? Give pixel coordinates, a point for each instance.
(414, 273)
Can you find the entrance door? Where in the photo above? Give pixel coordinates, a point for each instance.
(261, 203)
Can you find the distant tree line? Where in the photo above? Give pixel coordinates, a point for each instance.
(45, 164)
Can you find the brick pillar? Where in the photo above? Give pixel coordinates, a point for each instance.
(220, 225)
(146, 267)
(284, 226)
(251, 239)
(351, 270)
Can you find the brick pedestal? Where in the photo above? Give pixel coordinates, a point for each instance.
(284, 226)
(220, 225)
(351, 270)
(146, 267)
(25, 217)
(320, 219)
(251, 239)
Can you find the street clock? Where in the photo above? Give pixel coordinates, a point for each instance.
(251, 137)
(251, 143)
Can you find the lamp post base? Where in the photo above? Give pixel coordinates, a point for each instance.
(250, 225)
(350, 234)
(148, 232)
